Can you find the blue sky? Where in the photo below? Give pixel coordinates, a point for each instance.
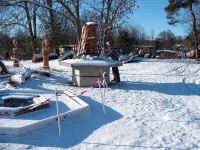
(151, 16)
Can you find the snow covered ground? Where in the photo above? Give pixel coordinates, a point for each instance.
(156, 106)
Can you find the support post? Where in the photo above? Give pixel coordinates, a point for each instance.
(15, 51)
(45, 52)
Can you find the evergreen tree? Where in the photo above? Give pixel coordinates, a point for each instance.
(175, 6)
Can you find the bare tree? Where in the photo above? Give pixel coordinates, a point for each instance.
(21, 13)
(175, 6)
(107, 13)
(52, 23)
(31, 21)
(110, 13)
(72, 8)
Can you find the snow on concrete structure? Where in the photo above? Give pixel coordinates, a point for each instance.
(69, 107)
(86, 72)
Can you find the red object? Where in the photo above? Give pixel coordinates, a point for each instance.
(4, 114)
(28, 109)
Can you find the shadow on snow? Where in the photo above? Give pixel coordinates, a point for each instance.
(74, 131)
(185, 89)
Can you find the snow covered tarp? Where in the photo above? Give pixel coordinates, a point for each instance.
(21, 77)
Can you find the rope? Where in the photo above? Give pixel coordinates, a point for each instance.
(102, 81)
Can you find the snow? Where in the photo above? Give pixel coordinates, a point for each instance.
(9, 110)
(170, 51)
(91, 23)
(22, 76)
(91, 62)
(156, 106)
(91, 37)
(38, 55)
(22, 97)
(24, 123)
(66, 55)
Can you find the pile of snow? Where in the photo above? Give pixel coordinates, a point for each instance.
(170, 51)
(21, 77)
(19, 97)
(10, 110)
(91, 23)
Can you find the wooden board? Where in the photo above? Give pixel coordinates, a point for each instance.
(90, 70)
(88, 81)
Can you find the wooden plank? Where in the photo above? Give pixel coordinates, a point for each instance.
(76, 99)
(87, 81)
(91, 71)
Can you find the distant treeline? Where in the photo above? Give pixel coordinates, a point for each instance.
(62, 20)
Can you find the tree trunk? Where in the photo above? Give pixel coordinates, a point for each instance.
(34, 29)
(105, 27)
(52, 24)
(78, 30)
(78, 22)
(102, 24)
(104, 36)
(194, 21)
(75, 15)
(29, 24)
